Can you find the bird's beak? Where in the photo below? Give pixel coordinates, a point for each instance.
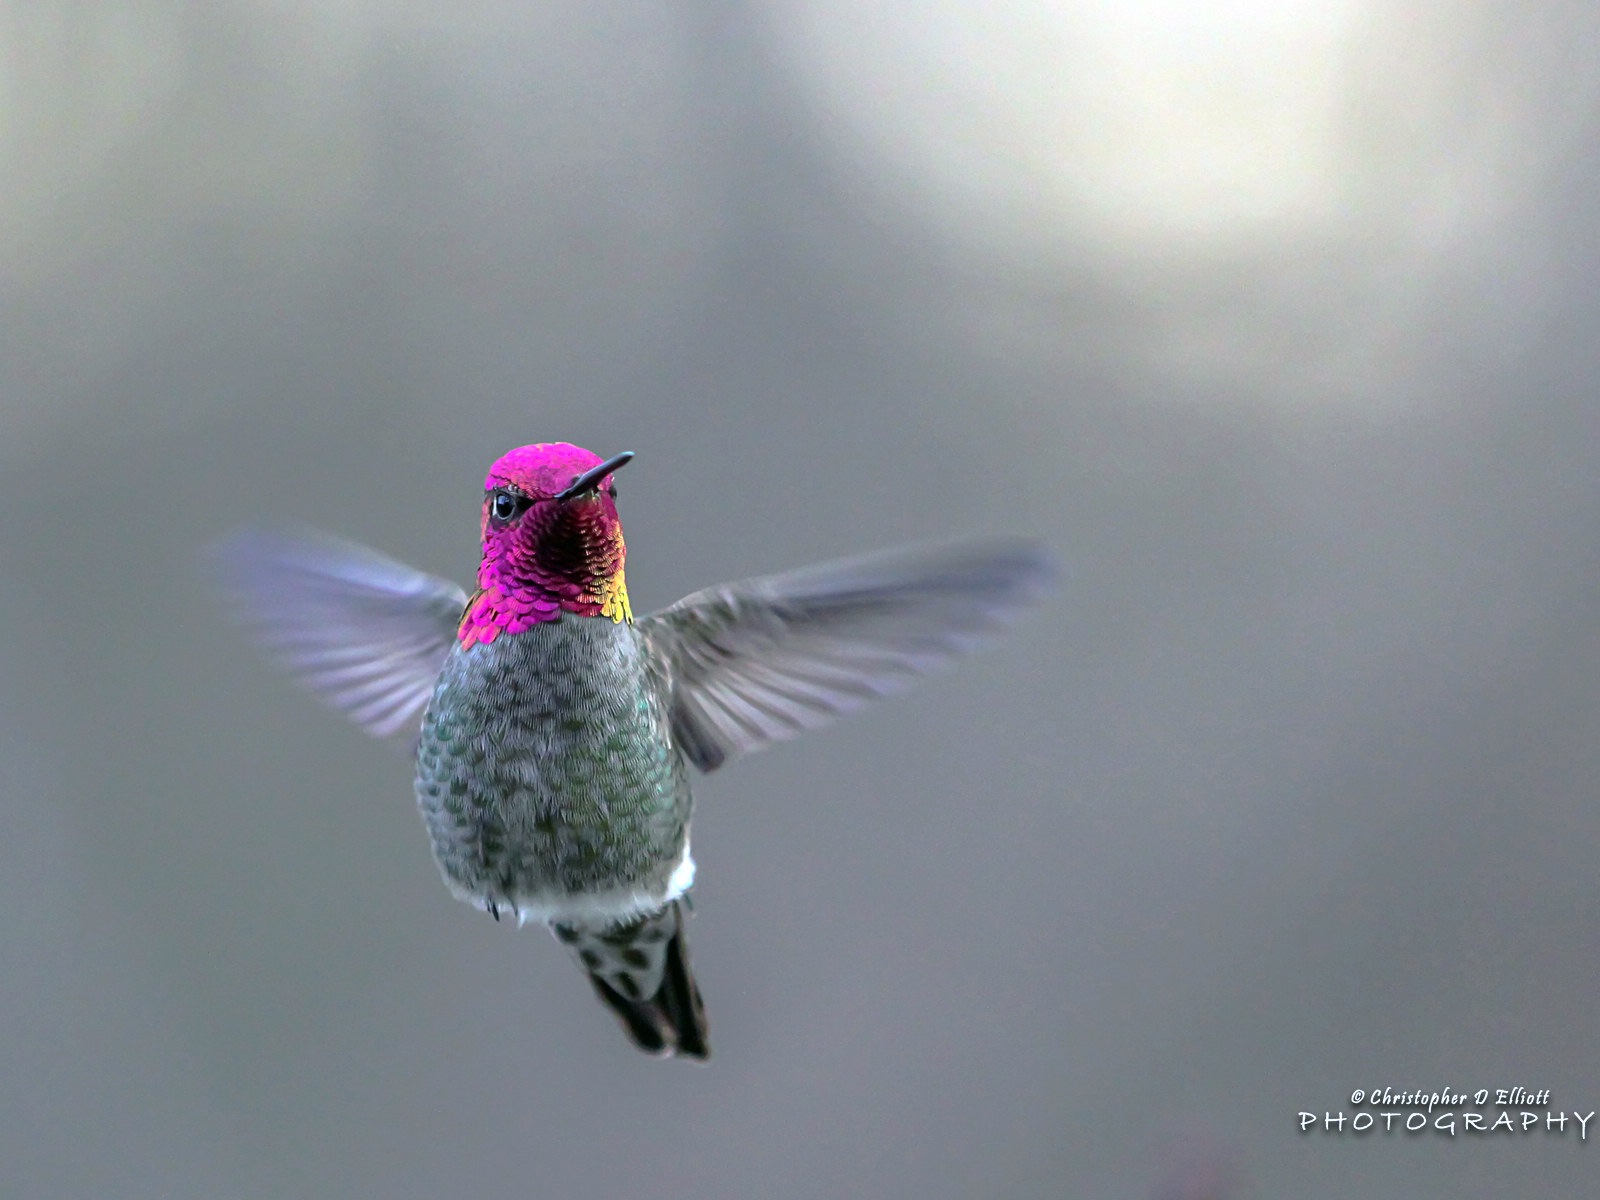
(591, 478)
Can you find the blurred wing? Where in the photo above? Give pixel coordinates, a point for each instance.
(765, 660)
(366, 633)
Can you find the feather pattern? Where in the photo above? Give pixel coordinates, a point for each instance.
(762, 661)
(554, 735)
(367, 634)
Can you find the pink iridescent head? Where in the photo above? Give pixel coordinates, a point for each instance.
(552, 542)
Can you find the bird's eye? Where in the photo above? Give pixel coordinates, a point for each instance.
(612, 491)
(506, 506)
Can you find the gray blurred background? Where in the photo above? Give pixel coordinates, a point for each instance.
(1277, 322)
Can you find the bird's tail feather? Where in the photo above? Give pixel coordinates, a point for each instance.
(640, 969)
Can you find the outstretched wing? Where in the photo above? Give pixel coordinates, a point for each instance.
(765, 660)
(366, 633)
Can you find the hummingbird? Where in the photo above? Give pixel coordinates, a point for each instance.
(554, 734)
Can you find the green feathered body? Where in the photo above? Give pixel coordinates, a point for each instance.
(548, 777)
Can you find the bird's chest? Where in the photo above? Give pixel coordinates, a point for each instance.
(547, 754)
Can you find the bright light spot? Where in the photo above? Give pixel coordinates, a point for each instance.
(1214, 117)
(1268, 197)
(1139, 118)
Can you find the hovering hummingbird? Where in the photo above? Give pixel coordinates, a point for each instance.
(554, 734)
